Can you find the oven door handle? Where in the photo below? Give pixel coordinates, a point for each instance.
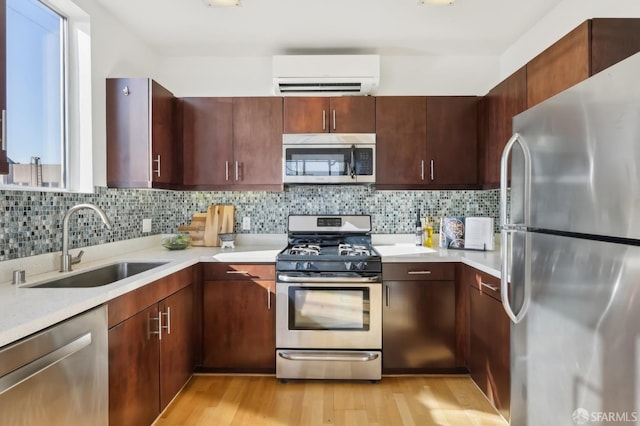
(329, 356)
(328, 280)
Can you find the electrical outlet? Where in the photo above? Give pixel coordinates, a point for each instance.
(246, 223)
(146, 225)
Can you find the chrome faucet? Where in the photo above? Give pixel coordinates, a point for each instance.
(66, 260)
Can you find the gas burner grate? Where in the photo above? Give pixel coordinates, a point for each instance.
(353, 250)
(305, 250)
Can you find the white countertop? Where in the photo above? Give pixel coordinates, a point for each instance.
(24, 310)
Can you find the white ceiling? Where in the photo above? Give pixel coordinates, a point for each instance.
(385, 27)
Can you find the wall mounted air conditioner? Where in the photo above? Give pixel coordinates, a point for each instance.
(325, 75)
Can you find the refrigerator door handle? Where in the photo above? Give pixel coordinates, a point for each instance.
(504, 181)
(506, 228)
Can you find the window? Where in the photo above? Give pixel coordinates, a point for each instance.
(36, 95)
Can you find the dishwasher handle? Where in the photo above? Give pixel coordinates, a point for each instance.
(24, 373)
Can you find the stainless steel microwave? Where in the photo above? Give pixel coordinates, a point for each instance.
(329, 158)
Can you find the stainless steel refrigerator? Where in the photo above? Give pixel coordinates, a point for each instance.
(570, 230)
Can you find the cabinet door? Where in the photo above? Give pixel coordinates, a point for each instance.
(133, 370)
(489, 349)
(502, 103)
(452, 141)
(418, 327)
(239, 326)
(4, 164)
(176, 345)
(612, 40)
(128, 132)
(257, 141)
(306, 115)
(352, 114)
(165, 159)
(563, 64)
(207, 141)
(401, 128)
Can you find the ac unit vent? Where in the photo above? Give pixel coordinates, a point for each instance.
(328, 75)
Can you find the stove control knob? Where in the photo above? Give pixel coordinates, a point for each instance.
(361, 266)
(296, 265)
(350, 266)
(306, 265)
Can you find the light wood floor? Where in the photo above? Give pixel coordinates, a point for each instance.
(263, 400)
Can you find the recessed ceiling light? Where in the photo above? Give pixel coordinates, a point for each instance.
(438, 2)
(222, 3)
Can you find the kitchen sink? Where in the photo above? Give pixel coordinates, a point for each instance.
(101, 276)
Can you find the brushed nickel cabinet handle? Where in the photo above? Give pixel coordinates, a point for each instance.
(388, 302)
(168, 316)
(157, 319)
(269, 298)
(324, 120)
(157, 160)
(419, 272)
(489, 286)
(422, 170)
(236, 171)
(238, 272)
(226, 170)
(432, 170)
(334, 119)
(4, 129)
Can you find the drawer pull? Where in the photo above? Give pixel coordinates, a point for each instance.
(489, 286)
(419, 272)
(238, 272)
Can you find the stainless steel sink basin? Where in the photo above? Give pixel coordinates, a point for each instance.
(101, 276)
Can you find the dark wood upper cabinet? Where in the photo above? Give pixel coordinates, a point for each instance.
(207, 129)
(500, 105)
(143, 147)
(452, 147)
(257, 142)
(401, 134)
(4, 164)
(345, 114)
(591, 47)
(426, 142)
(232, 143)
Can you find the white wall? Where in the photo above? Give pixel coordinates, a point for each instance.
(562, 19)
(400, 75)
(116, 52)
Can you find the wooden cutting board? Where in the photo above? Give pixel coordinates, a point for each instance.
(220, 220)
(196, 229)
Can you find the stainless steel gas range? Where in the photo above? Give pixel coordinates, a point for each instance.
(329, 300)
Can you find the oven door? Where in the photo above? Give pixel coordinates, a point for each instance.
(328, 314)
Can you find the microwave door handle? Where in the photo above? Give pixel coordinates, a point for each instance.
(352, 164)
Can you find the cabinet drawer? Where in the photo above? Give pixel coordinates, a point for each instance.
(239, 271)
(422, 271)
(487, 284)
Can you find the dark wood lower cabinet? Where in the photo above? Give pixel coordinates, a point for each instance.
(418, 327)
(239, 326)
(133, 371)
(146, 369)
(489, 342)
(176, 348)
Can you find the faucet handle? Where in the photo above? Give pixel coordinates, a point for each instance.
(78, 258)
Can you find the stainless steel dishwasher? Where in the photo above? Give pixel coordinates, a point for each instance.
(58, 376)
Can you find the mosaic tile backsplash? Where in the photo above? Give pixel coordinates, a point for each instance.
(31, 222)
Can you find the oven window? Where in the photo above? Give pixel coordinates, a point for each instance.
(328, 308)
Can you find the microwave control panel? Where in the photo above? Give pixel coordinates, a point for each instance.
(364, 162)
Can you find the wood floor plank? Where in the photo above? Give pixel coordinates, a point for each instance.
(264, 401)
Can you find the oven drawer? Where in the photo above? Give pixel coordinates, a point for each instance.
(314, 364)
(419, 271)
(239, 271)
